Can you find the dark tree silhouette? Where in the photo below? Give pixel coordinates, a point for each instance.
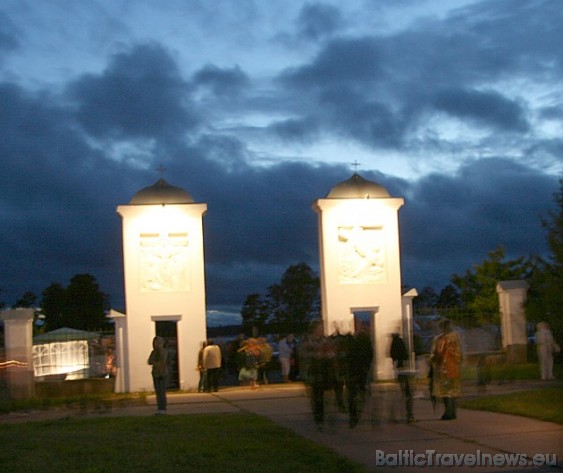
(295, 300)
(545, 298)
(27, 300)
(81, 305)
(254, 315)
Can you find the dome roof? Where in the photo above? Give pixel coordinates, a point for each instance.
(161, 193)
(357, 188)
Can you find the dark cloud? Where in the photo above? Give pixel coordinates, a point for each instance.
(68, 160)
(381, 90)
(355, 62)
(221, 81)
(317, 20)
(490, 108)
(9, 41)
(552, 113)
(58, 197)
(140, 94)
(511, 37)
(259, 220)
(372, 122)
(450, 223)
(295, 130)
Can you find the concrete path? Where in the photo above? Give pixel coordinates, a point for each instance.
(382, 441)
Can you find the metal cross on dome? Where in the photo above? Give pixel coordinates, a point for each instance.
(160, 169)
(356, 164)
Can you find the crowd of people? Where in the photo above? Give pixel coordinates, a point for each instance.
(250, 360)
(338, 363)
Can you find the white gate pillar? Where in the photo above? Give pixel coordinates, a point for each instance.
(360, 260)
(18, 337)
(512, 296)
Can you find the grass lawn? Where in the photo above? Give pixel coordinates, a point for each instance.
(542, 404)
(521, 371)
(232, 443)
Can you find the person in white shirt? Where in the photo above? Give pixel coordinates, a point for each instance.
(285, 351)
(546, 347)
(212, 365)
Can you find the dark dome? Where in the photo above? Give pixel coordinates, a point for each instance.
(161, 193)
(357, 188)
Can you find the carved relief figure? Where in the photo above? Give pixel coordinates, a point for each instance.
(164, 262)
(361, 254)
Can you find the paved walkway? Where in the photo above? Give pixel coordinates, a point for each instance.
(382, 437)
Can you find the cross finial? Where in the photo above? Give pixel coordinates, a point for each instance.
(355, 164)
(160, 169)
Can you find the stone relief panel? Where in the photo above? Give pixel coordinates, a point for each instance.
(164, 262)
(361, 254)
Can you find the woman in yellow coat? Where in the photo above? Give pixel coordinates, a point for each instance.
(446, 366)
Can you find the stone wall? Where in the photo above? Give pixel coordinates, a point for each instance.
(77, 387)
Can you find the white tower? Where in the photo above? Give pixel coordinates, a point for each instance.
(360, 262)
(164, 285)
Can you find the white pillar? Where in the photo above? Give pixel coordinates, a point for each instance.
(121, 352)
(18, 337)
(360, 261)
(407, 328)
(512, 297)
(164, 281)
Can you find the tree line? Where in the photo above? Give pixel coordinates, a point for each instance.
(80, 305)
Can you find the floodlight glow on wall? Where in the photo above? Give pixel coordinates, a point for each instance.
(68, 358)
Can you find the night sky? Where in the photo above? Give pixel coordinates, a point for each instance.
(258, 109)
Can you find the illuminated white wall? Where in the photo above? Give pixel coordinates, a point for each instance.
(18, 333)
(164, 281)
(70, 358)
(360, 267)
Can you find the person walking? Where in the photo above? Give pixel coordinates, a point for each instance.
(353, 360)
(158, 358)
(318, 353)
(201, 369)
(264, 360)
(399, 355)
(546, 347)
(212, 365)
(248, 374)
(285, 351)
(342, 342)
(446, 366)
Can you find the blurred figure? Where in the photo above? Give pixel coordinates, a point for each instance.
(201, 369)
(111, 366)
(294, 361)
(400, 355)
(354, 356)
(159, 361)
(546, 347)
(362, 355)
(446, 366)
(237, 355)
(318, 355)
(211, 362)
(248, 374)
(285, 351)
(342, 342)
(264, 359)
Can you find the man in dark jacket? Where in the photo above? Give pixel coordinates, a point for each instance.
(358, 354)
(158, 358)
(400, 355)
